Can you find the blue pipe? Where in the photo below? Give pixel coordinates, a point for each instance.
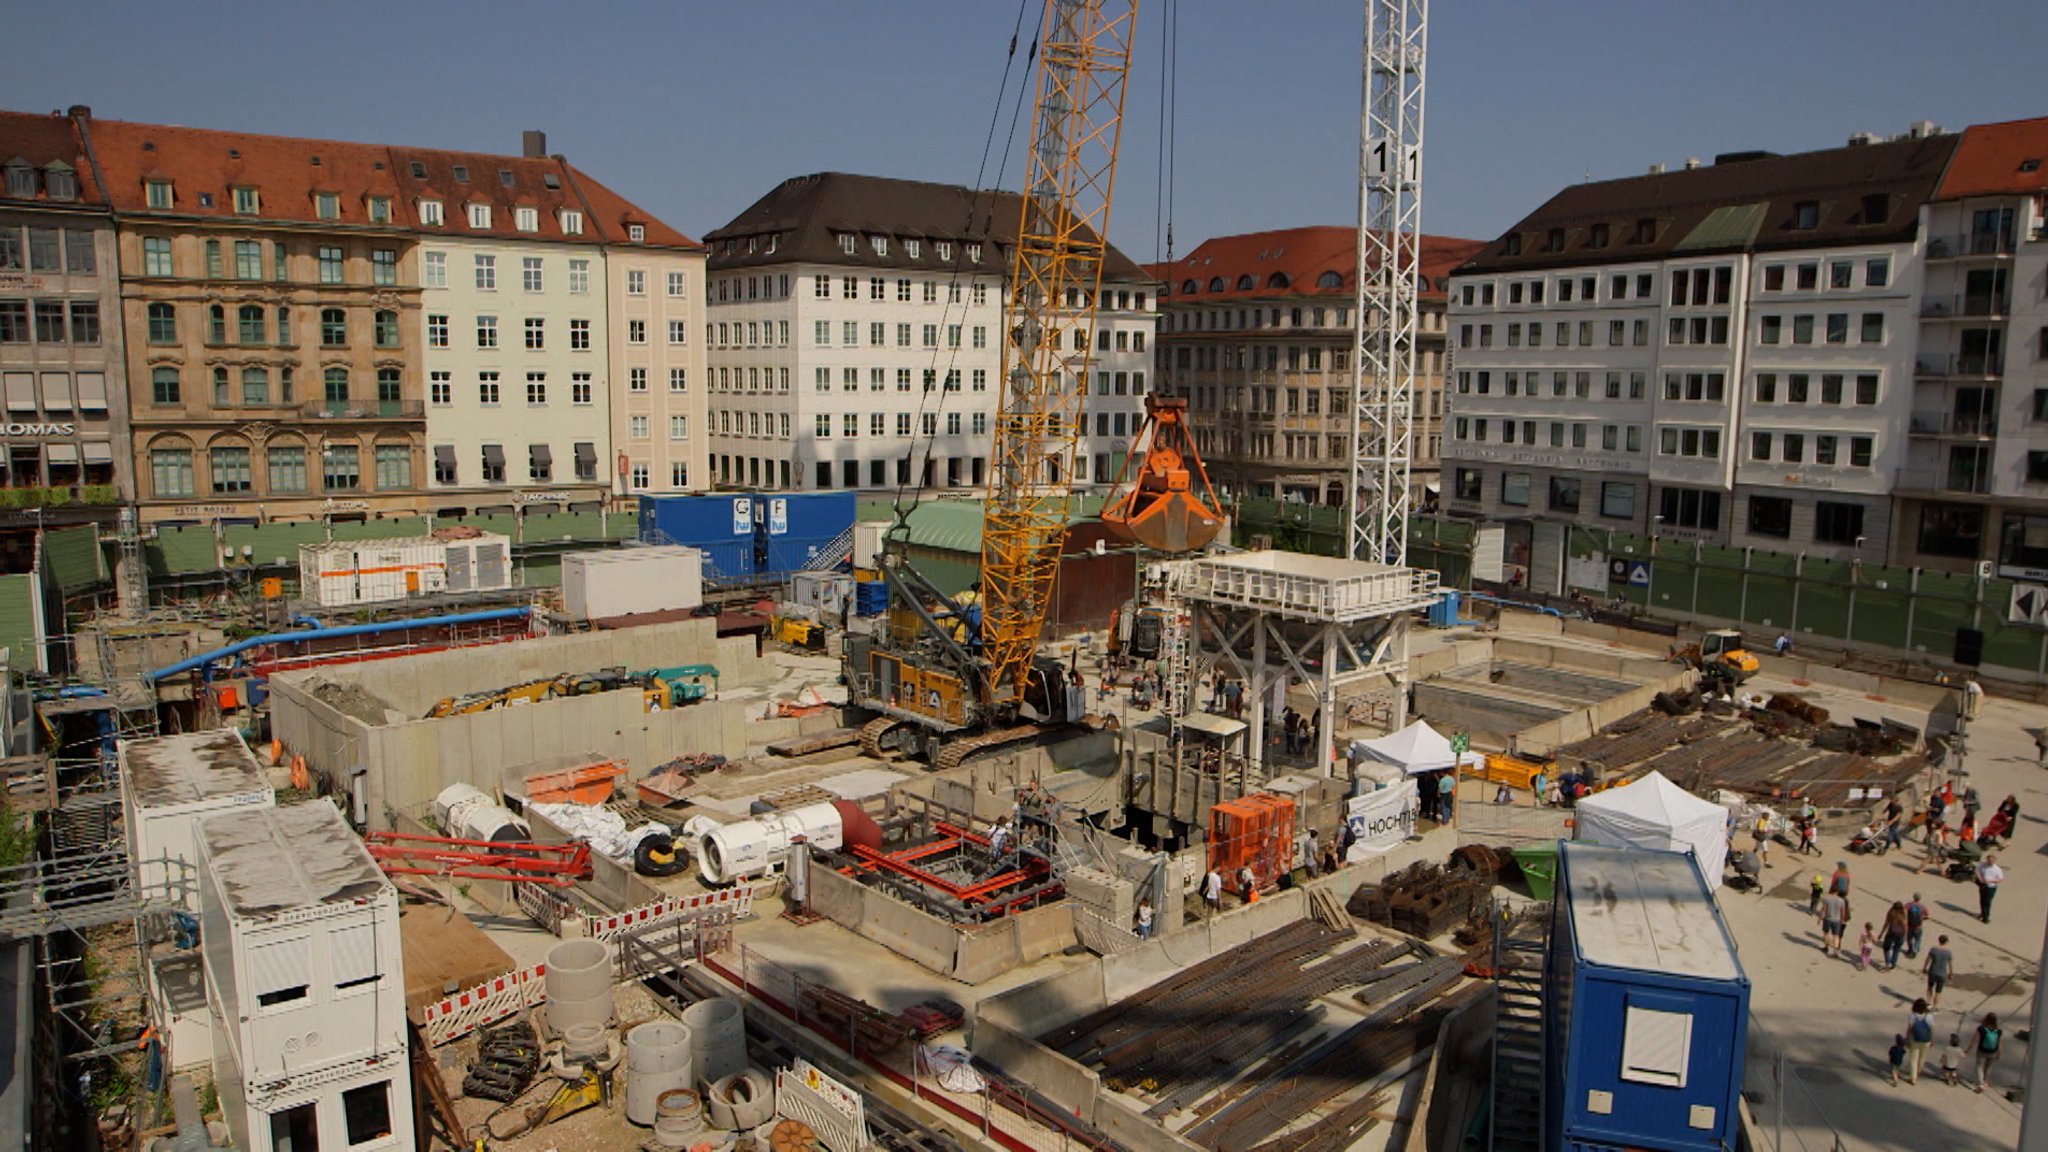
(206, 658)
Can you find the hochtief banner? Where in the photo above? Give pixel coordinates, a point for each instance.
(1380, 819)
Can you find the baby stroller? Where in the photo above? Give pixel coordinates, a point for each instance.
(1998, 828)
(1870, 839)
(1748, 871)
(1961, 863)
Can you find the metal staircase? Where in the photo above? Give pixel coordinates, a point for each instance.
(834, 555)
(1518, 1033)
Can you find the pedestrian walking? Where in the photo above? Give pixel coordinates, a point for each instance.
(1935, 807)
(1972, 804)
(1538, 787)
(1919, 1034)
(1834, 916)
(1916, 923)
(1973, 698)
(1988, 1041)
(1894, 940)
(1809, 837)
(1894, 823)
(1248, 884)
(2041, 745)
(1145, 919)
(1865, 945)
(1939, 965)
(1212, 891)
(1989, 877)
(1897, 1057)
(1760, 836)
(1313, 857)
(1839, 882)
(1447, 795)
(1952, 1060)
(1819, 889)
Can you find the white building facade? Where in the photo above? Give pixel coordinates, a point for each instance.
(1722, 354)
(854, 327)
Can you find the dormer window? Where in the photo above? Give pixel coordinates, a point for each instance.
(1554, 240)
(774, 242)
(430, 212)
(246, 201)
(1513, 247)
(974, 253)
(21, 180)
(461, 173)
(1646, 230)
(1806, 215)
(60, 181)
(526, 219)
(380, 209)
(911, 248)
(880, 245)
(479, 215)
(505, 177)
(327, 205)
(846, 243)
(636, 233)
(945, 251)
(419, 170)
(572, 222)
(160, 194)
(206, 199)
(1244, 283)
(1597, 237)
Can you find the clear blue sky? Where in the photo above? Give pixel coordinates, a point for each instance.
(693, 109)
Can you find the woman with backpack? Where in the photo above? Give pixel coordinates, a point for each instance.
(1919, 1034)
(1987, 1043)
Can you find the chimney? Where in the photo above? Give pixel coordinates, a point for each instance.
(1691, 162)
(79, 111)
(1865, 139)
(1656, 169)
(534, 144)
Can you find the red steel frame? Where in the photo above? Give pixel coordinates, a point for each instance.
(986, 895)
(557, 865)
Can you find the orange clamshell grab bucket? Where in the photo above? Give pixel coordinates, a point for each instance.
(1163, 501)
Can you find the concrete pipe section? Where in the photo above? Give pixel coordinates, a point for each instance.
(718, 1038)
(678, 1118)
(579, 985)
(742, 1102)
(658, 1060)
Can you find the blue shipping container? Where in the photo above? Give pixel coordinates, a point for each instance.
(696, 520)
(817, 516)
(1646, 1005)
(727, 560)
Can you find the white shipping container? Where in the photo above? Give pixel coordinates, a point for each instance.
(341, 573)
(299, 932)
(627, 581)
(867, 543)
(167, 784)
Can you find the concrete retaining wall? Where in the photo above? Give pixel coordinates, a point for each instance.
(1020, 1057)
(1542, 739)
(1490, 720)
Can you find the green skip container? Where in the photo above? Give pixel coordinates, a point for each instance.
(1538, 863)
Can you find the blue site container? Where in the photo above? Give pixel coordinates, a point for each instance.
(1646, 1005)
(793, 529)
(870, 598)
(721, 526)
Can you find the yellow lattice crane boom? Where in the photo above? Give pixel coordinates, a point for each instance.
(1076, 122)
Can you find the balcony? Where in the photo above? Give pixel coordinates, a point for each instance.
(1966, 306)
(1970, 244)
(1956, 479)
(1964, 425)
(1973, 365)
(362, 409)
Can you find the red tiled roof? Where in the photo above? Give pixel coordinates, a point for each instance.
(205, 162)
(1993, 160)
(283, 171)
(1295, 262)
(40, 139)
(613, 212)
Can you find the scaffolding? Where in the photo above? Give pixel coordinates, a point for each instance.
(1273, 620)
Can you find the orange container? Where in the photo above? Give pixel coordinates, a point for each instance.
(590, 784)
(1255, 832)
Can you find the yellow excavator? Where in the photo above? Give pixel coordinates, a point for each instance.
(1721, 655)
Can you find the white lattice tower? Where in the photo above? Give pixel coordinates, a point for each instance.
(1388, 279)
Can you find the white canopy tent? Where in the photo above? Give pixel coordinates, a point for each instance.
(1652, 812)
(1416, 749)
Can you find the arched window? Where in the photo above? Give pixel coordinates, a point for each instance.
(1187, 287)
(1215, 283)
(1244, 283)
(170, 467)
(1277, 280)
(1329, 280)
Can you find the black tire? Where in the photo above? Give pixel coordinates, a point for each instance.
(657, 856)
